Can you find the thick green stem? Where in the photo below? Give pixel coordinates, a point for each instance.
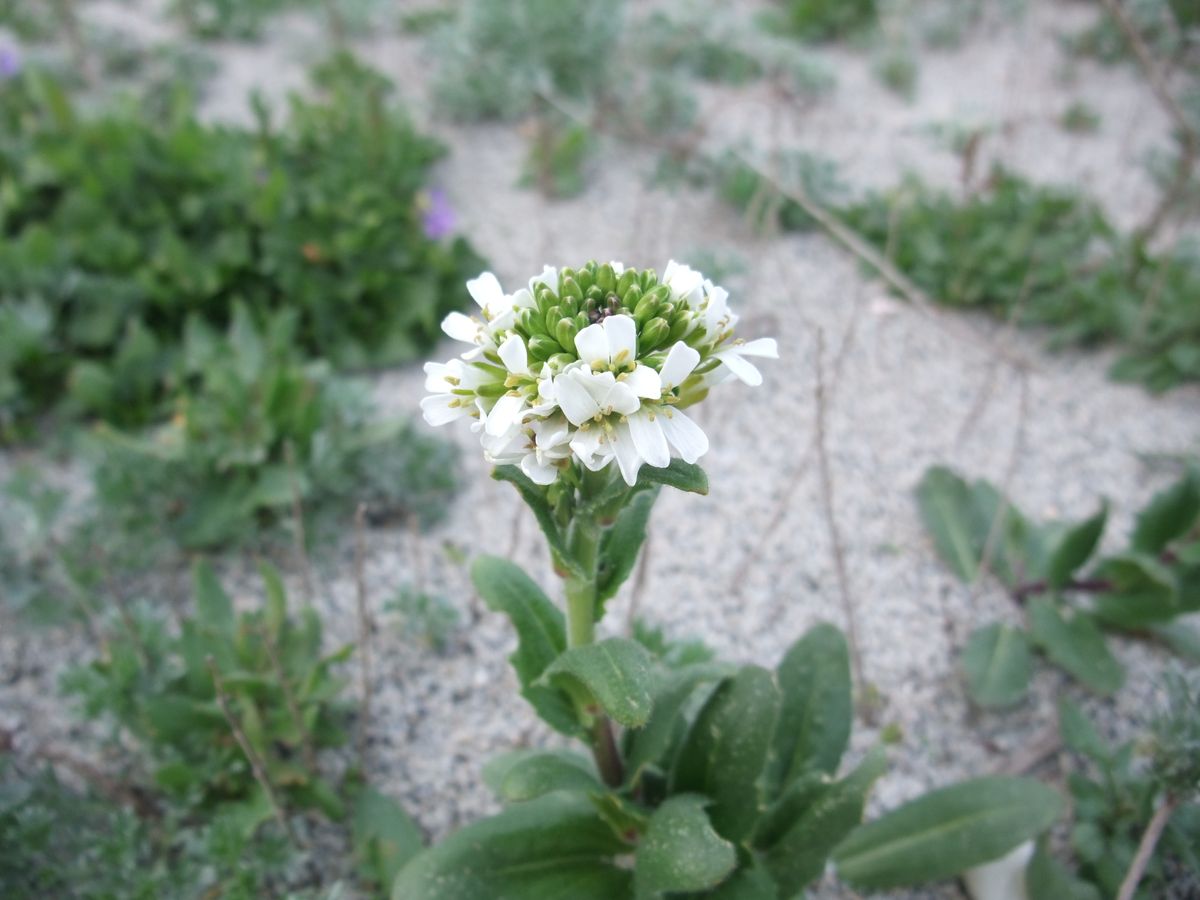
(581, 630)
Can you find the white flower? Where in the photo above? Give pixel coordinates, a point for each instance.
(608, 393)
(733, 358)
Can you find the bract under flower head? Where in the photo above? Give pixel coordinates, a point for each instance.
(590, 367)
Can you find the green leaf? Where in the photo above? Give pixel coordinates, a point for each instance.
(1181, 639)
(613, 674)
(816, 707)
(275, 610)
(676, 700)
(1078, 733)
(1047, 879)
(553, 848)
(746, 884)
(680, 851)
(724, 753)
(535, 498)
(998, 661)
(541, 635)
(1169, 515)
(947, 832)
(214, 609)
(680, 475)
(1075, 644)
(1074, 548)
(798, 855)
(959, 517)
(385, 837)
(620, 546)
(1143, 591)
(525, 774)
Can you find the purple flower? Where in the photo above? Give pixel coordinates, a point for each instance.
(10, 62)
(437, 217)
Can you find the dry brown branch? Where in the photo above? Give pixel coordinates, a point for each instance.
(1189, 139)
(364, 633)
(829, 507)
(1145, 849)
(1032, 754)
(256, 764)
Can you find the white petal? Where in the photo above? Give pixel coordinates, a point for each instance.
(522, 299)
(759, 347)
(739, 367)
(681, 360)
(628, 458)
(684, 281)
(592, 345)
(486, 290)
(505, 414)
(538, 472)
(576, 403)
(649, 439)
(688, 439)
(435, 376)
(598, 384)
(621, 332)
(436, 409)
(502, 321)
(513, 355)
(620, 399)
(549, 278)
(644, 382)
(461, 328)
(587, 445)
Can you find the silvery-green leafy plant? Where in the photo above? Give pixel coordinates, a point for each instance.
(700, 778)
(1068, 597)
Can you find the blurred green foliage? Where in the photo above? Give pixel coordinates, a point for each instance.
(119, 231)
(257, 431)
(826, 20)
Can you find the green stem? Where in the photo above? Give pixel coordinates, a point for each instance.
(581, 630)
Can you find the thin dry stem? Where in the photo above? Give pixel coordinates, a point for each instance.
(289, 698)
(256, 764)
(829, 506)
(1189, 139)
(1145, 849)
(364, 633)
(301, 538)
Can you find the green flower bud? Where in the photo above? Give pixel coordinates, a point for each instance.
(564, 274)
(530, 322)
(543, 347)
(631, 296)
(661, 293)
(627, 280)
(546, 298)
(667, 310)
(565, 331)
(653, 333)
(644, 311)
(606, 278)
(679, 325)
(649, 279)
(550, 322)
(581, 321)
(571, 288)
(595, 293)
(569, 305)
(585, 279)
(493, 390)
(560, 361)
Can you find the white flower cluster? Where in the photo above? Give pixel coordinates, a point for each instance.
(592, 365)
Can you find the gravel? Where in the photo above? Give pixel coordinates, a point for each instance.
(751, 566)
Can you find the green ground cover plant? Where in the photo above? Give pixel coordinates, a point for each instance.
(257, 431)
(107, 255)
(1068, 594)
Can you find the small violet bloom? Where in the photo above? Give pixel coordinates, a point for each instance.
(437, 216)
(10, 63)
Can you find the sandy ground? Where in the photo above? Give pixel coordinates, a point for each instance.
(751, 566)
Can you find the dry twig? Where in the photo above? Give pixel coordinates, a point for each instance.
(256, 764)
(364, 632)
(1145, 849)
(289, 698)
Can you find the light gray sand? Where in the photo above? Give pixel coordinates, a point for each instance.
(750, 567)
